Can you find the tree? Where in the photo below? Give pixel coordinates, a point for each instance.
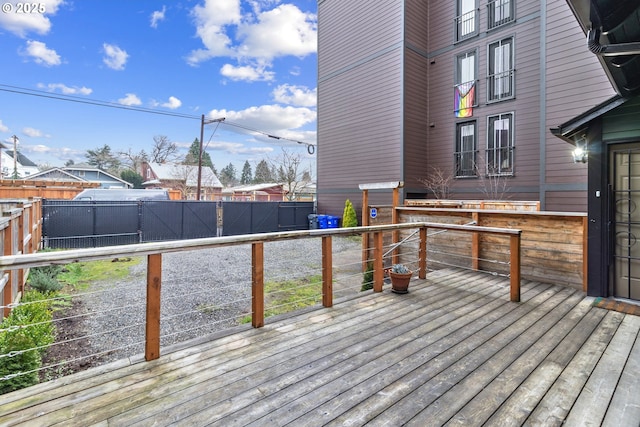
(69, 162)
(132, 177)
(134, 160)
(194, 152)
(164, 150)
(263, 173)
(228, 175)
(103, 159)
(290, 172)
(246, 177)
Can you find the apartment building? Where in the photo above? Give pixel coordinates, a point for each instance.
(466, 88)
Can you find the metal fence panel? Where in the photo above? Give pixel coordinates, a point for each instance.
(81, 224)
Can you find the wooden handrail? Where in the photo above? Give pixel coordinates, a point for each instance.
(154, 251)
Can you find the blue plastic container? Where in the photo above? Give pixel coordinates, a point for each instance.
(333, 221)
(323, 221)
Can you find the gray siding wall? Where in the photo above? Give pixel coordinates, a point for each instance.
(623, 123)
(360, 96)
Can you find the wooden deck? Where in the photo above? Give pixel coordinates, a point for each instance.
(453, 351)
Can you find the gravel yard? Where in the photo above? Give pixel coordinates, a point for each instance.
(202, 291)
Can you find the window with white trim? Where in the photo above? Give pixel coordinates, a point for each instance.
(500, 146)
(500, 73)
(466, 149)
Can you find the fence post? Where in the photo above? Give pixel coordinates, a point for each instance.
(515, 267)
(378, 272)
(152, 327)
(8, 286)
(422, 254)
(327, 272)
(365, 222)
(475, 243)
(257, 284)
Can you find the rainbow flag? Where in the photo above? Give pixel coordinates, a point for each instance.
(464, 97)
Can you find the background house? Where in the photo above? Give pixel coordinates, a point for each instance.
(81, 173)
(22, 166)
(266, 192)
(466, 87)
(183, 178)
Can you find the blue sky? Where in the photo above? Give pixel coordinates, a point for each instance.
(252, 62)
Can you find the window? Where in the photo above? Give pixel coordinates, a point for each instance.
(466, 148)
(465, 21)
(500, 144)
(466, 67)
(465, 79)
(500, 12)
(501, 73)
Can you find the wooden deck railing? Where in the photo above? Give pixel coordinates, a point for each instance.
(20, 233)
(154, 252)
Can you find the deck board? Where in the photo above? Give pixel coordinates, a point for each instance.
(454, 351)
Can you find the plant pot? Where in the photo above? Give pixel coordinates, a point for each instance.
(400, 282)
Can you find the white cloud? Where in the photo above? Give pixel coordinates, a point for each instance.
(115, 58)
(41, 54)
(173, 103)
(296, 95)
(130, 99)
(211, 21)
(33, 133)
(282, 31)
(21, 24)
(284, 122)
(3, 128)
(66, 90)
(239, 148)
(247, 73)
(255, 39)
(157, 16)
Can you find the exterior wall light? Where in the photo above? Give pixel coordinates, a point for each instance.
(581, 153)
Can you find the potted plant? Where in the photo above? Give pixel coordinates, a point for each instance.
(400, 276)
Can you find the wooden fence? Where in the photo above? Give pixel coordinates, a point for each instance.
(25, 189)
(554, 244)
(20, 233)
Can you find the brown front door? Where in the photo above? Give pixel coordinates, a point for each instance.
(625, 226)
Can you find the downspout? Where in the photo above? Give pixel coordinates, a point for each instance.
(619, 49)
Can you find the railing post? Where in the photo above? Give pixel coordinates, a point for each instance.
(152, 330)
(378, 273)
(395, 234)
(475, 243)
(515, 267)
(257, 284)
(8, 286)
(327, 272)
(422, 254)
(365, 222)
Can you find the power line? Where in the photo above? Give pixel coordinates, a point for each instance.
(99, 103)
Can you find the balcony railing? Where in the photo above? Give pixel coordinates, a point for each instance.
(154, 253)
(465, 25)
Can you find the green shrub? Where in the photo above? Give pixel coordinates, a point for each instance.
(367, 278)
(24, 364)
(43, 281)
(349, 218)
(27, 343)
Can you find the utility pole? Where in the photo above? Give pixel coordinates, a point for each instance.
(202, 123)
(15, 157)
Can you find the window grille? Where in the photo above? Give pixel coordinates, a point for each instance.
(466, 149)
(465, 22)
(501, 73)
(500, 12)
(500, 146)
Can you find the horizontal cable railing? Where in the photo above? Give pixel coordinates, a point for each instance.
(169, 307)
